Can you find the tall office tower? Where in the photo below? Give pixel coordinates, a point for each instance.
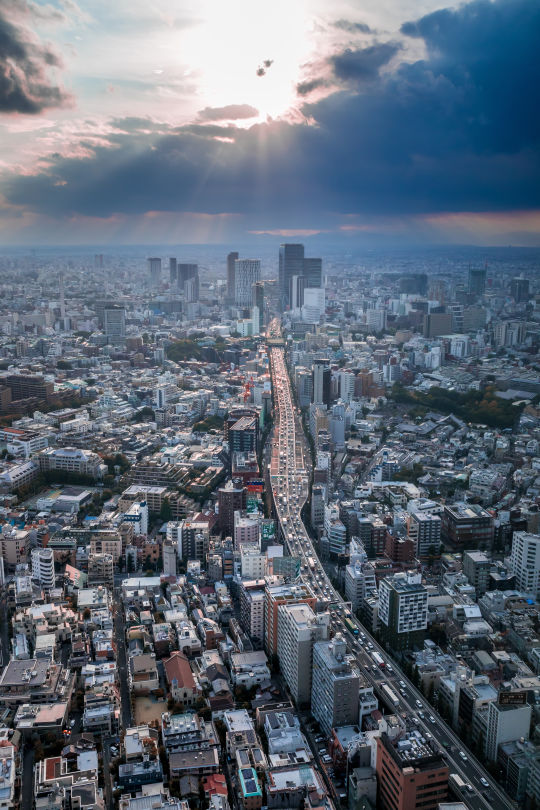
(173, 271)
(519, 289)
(185, 271)
(424, 529)
(191, 289)
(506, 722)
(414, 283)
(291, 263)
(154, 270)
(246, 273)
(525, 562)
(313, 273)
(335, 686)
(114, 323)
(477, 280)
(321, 382)
(43, 567)
(411, 772)
(62, 299)
(437, 323)
(298, 629)
(276, 595)
(231, 259)
(258, 301)
(403, 610)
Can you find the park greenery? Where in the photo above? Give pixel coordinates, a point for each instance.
(478, 407)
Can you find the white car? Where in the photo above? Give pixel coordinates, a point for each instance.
(484, 782)
(463, 756)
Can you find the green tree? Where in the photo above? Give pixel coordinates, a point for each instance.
(165, 512)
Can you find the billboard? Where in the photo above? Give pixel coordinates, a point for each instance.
(512, 698)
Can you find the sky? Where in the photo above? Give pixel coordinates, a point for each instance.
(170, 121)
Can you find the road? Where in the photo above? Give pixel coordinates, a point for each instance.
(289, 478)
(121, 658)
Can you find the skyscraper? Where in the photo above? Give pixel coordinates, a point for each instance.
(477, 280)
(231, 259)
(519, 289)
(291, 263)
(258, 301)
(335, 685)
(186, 271)
(525, 562)
(321, 382)
(403, 610)
(154, 269)
(173, 271)
(295, 274)
(246, 273)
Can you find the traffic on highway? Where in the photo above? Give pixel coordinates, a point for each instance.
(289, 471)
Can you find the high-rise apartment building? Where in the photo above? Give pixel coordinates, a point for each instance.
(246, 273)
(276, 595)
(298, 629)
(252, 604)
(525, 562)
(410, 772)
(424, 529)
(258, 301)
(335, 685)
(477, 567)
(231, 498)
(43, 567)
(173, 271)
(403, 610)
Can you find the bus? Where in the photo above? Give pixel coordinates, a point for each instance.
(350, 625)
(389, 695)
(378, 659)
(311, 562)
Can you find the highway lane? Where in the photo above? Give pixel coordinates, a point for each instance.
(289, 477)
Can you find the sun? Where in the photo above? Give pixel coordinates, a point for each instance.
(249, 52)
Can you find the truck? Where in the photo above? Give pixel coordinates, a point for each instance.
(378, 659)
(350, 625)
(389, 695)
(458, 784)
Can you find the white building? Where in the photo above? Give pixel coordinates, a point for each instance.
(314, 304)
(43, 567)
(253, 563)
(525, 562)
(246, 273)
(360, 581)
(334, 530)
(138, 515)
(335, 685)
(170, 558)
(505, 724)
(298, 628)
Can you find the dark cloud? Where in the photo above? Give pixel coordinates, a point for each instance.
(353, 27)
(24, 63)
(307, 87)
(232, 112)
(363, 64)
(456, 131)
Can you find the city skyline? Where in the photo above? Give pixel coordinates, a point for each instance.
(414, 123)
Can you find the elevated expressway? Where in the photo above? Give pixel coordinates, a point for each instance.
(289, 471)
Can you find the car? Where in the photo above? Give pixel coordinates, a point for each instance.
(72, 724)
(484, 782)
(416, 720)
(428, 736)
(432, 719)
(322, 752)
(402, 684)
(421, 715)
(418, 704)
(463, 756)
